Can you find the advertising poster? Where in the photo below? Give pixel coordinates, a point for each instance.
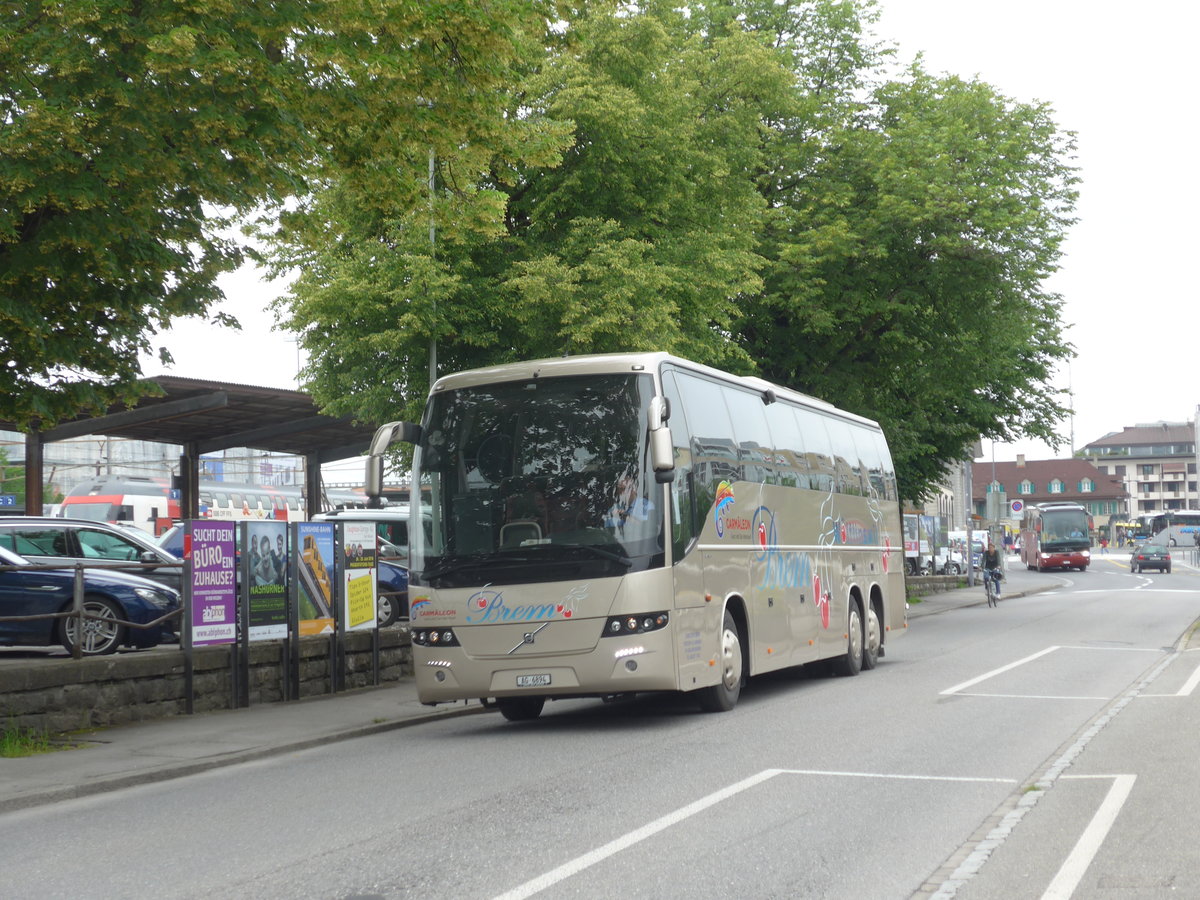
(358, 542)
(213, 582)
(268, 579)
(315, 591)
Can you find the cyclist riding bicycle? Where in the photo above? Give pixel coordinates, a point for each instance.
(991, 566)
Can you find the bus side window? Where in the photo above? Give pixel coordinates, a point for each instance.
(816, 449)
(749, 417)
(791, 465)
(871, 451)
(683, 506)
(714, 454)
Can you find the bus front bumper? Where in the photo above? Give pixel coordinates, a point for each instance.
(616, 666)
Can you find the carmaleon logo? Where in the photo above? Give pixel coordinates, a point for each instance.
(724, 501)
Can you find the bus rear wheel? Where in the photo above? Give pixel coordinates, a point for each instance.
(852, 662)
(520, 709)
(871, 648)
(723, 695)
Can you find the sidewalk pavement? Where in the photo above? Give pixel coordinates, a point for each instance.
(1018, 582)
(158, 750)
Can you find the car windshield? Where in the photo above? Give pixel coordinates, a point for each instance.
(537, 480)
(8, 558)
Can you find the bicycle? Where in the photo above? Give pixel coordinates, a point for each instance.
(991, 585)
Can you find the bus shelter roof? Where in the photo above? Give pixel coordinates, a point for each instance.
(207, 416)
(204, 416)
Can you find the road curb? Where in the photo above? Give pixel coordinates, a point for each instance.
(921, 610)
(181, 770)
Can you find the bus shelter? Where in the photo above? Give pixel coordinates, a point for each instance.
(202, 416)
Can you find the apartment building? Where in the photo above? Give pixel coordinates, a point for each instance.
(1156, 463)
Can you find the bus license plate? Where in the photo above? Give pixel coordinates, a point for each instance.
(541, 680)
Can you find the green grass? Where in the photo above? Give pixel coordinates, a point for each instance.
(17, 741)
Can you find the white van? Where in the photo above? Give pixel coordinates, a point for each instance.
(391, 528)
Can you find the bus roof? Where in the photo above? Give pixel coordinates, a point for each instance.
(610, 363)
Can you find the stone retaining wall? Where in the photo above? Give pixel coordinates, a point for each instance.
(923, 585)
(59, 695)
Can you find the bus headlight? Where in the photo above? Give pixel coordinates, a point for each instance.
(618, 626)
(434, 637)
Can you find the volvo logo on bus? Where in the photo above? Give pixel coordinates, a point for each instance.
(527, 638)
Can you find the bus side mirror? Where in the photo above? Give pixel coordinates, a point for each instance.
(391, 433)
(662, 449)
(373, 480)
(384, 437)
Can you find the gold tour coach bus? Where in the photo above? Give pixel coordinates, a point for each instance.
(623, 523)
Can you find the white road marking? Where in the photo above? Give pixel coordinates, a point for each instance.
(1027, 696)
(960, 689)
(574, 866)
(1190, 684)
(1088, 845)
(627, 840)
(986, 675)
(965, 778)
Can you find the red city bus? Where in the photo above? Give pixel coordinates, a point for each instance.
(1056, 536)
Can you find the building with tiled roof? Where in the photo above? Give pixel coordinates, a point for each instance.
(1156, 462)
(1012, 485)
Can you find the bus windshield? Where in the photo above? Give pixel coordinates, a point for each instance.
(1064, 529)
(538, 480)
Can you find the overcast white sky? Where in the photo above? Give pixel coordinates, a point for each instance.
(1123, 78)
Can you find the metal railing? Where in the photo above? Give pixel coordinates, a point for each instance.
(77, 612)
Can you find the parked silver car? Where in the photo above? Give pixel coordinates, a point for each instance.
(70, 541)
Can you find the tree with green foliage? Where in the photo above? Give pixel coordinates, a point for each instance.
(134, 134)
(637, 231)
(906, 278)
(746, 185)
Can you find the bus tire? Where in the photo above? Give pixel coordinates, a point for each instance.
(520, 709)
(871, 647)
(723, 696)
(852, 662)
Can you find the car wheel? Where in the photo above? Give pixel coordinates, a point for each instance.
(722, 696)
(952, 569)
(389, 610)
(101, 635)
(520, 709)
(1168, 570)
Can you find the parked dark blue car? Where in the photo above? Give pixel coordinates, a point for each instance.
(392, 581)
(110, 595)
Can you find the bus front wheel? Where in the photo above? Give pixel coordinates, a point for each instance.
(723, 695)
(520, 709)
(851, 663)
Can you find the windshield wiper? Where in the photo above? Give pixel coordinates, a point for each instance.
(457, 564)
(499, 558)
(601, 552)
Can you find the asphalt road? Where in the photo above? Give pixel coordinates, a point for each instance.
(1043, 748)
